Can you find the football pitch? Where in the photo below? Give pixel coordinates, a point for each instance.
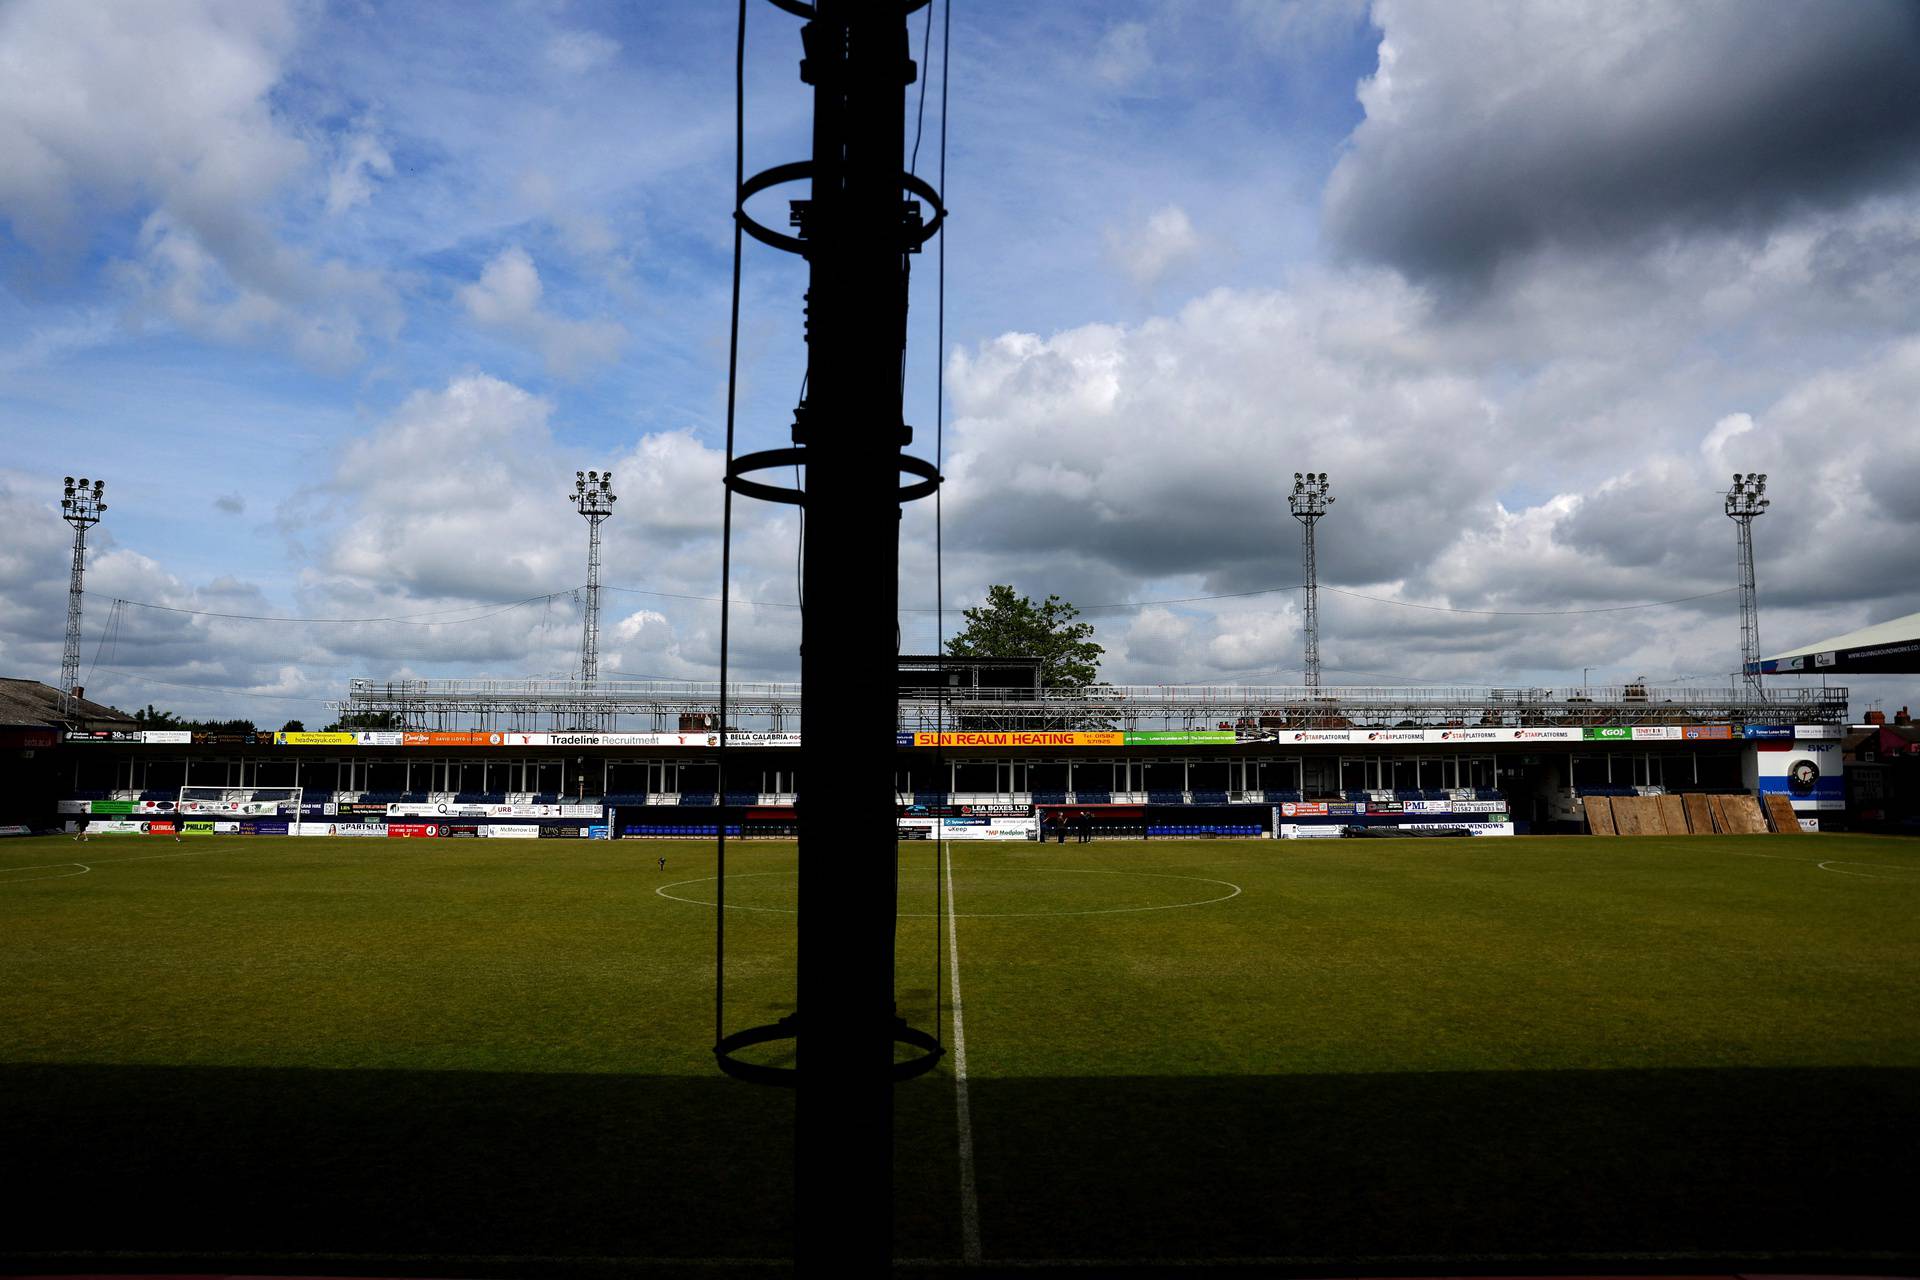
(492, 1057)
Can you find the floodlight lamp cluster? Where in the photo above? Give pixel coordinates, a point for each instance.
(82, 500)
(593, 493)
(1748, 497)
(1309, 494)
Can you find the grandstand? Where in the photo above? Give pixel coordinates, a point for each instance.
(976, 760)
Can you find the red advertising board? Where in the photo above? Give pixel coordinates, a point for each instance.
(410, 830)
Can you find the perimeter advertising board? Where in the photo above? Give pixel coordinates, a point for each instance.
(1809, 773)
(1022, 738)
(969, 828)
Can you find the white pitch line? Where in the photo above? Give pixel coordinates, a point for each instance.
(64, 875)
(963, 1109)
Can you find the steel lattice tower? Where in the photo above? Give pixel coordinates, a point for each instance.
(81, 503)
(1309, 501)
(593, 498)
(1746, 500)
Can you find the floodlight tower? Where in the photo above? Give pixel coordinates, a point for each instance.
(1746, 500)
(593, 498)
(1309, 501)
(81, 503)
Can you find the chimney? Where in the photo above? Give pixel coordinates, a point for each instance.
(1901, 717)
(1876, 717)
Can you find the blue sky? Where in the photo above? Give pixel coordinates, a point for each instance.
(336, 295)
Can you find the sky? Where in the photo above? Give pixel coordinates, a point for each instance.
(337, 296)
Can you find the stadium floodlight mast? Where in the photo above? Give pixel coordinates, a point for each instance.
(1309, 501)
(593, 498)
(1747, 500)
(81, 503)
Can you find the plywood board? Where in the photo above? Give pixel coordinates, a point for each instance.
(1745, 811)
(1673, 815)
(1718, 808)
(1780, 815)
(1699, 815)
(1599, 815)
(1628, 816)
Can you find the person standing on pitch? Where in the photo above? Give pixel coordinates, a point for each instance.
(663, 864)
(1084, 821)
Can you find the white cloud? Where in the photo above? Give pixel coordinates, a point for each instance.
(362, 158)
(1166, 241)
(165, 112)
(507, 298)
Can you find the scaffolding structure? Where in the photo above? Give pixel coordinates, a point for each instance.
(532, 705)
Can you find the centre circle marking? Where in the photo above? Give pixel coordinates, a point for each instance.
(1233, 889)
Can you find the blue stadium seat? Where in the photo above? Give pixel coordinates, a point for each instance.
(707, 798)
(741, 799)
(1209, 797)
(1093, 797)
(1282, 797)
(1049, 797)
(627, 797)
(1166, 797)
(928, 799)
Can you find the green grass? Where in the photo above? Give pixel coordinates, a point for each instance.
(1441, 1050)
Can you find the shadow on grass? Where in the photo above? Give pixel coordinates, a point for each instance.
(1711, 1164)
(512, 1174)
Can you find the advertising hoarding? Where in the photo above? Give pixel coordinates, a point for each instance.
(1810, 773)
(1706, 732)
(284, 739)
(1021, 738)
(1773, 732)
(166, 736)
(1607, 733)
(1656, 733)
(970, 828)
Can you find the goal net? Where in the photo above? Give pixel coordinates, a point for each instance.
(241, 801)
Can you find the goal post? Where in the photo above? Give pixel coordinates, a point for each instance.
(241, 802)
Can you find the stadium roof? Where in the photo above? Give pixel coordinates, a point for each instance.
(29, 704)
(1885, 648)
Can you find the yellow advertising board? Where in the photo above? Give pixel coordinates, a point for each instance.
(284, 739)
(1021, 738)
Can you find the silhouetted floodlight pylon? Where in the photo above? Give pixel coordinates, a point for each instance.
(81, 503)
(1309, 501)
(593, 498)
(1746, 501)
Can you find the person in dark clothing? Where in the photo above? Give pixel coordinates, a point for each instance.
(663, 864)
(1059, 827)
(1084, 821)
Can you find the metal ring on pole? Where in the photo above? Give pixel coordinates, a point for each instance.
(769, 459)
(788, 1029)
(795, 170)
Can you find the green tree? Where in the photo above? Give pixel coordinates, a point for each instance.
(293, 726)
(1013, 626)
(365, 720)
